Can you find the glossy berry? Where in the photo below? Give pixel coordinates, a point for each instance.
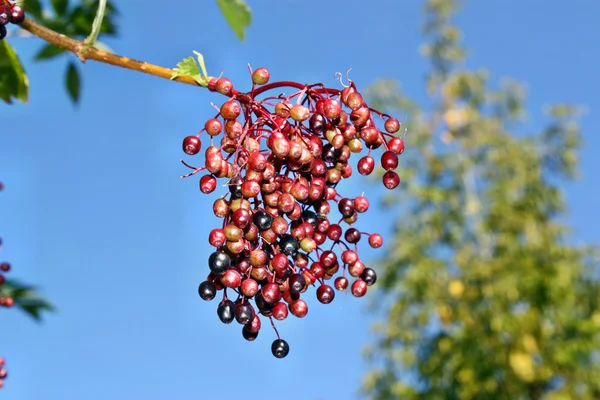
(352, 235)
(191, 145)
(375, 240)
(389, 160)
(297, 282)
(391, 180)
(17, 15)
(369, 276)
(392, 125)
(4, 15)
(208, 184)
(280, 348)
(366, 165)
(224, 86)
(262, 220)
(341, 283)
(288, 245)
(359, 288)
(248, 335)
(207, 290)
(325, 294)
(271, 293)
(219, 262)
(226, 311)
(243, 313)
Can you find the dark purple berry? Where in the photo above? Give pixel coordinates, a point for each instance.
(288, 245)
(219, 262)
(369, 276)
(262, 220)
(280, 348)
(243, 313)
(207, 290)
(226, 311)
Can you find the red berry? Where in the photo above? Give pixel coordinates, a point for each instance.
(191, 145)
(392, 125)
(375, 240)
(366, 165)
(299, 308)
(391, 180)
(280, 311)
(341, 283)
(17, 15)
(213, 127)
(396, 145)
(361, 204)
(230, 110)
(208, 183)
(231, 278)
(389, 160)
(359, 288)
(325, 294)
(224, 86)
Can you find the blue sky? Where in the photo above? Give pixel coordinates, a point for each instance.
(95, 214)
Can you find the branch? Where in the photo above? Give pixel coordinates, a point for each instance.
(76, 47)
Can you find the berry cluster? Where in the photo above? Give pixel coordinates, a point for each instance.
(282, 158)
(9, 13)
(4, 302)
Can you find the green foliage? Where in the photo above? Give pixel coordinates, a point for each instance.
(75, 21)
(189, 67)
(13, 80)
(26, 298)
(72, 81)
(238, 15)
(489, 300)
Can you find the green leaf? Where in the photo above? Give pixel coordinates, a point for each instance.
(238, 15)
(13, 79)
(48, 51)
(26, 299)
(72, 82)
(189, 67)
(60, 6)
(33, 8)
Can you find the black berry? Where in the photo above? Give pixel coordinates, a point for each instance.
(207, 290)
(226, 311)
(219, 262)
(280, 348)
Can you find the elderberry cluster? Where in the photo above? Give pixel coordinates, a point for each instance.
(9, 13)
(282, 158)
(4, 302)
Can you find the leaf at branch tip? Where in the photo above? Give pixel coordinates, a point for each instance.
(13, 79)
(73, 82)
(238, 15)
(189, 67)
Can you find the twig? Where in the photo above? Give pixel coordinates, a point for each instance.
(76, 47)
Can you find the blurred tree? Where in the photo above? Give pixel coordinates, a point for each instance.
(488, 300)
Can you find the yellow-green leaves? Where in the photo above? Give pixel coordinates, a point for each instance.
(13, 79)
(238, 15)
(189, 67)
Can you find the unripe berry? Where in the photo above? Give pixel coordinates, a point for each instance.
(260, 76)
(224, 86)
